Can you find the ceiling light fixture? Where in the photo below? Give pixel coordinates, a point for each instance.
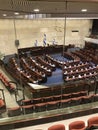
(16, 13)
(83, 10)
(36, 10)
(4, 15)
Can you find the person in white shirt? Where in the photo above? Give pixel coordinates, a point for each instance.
(36, 43)
(79, 76)
(65, 72)
(54, 42)
(90, 73)
(67, 77)
(73, 77)
(85, 68)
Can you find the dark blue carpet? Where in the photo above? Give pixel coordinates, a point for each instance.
(56, 78)
(59, 57)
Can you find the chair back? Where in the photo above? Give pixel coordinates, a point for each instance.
(93, 121)
(57, 127)
(77, 125)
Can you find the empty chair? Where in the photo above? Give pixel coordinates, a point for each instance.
(27, 109)
(77, 94)
(57, 97)
(77, 125)
(66, 96)
(87, 99)
(48, 99)
(65, 103)
(2, 106)
(93, 121)
(76, 101)
(10, 87)
(83, 93)
(95, 98)
(40, 107)
(57, 127)
(52, 105)
(5, 80)
(2, 103)
(26, 102)
(37, 100)
(15, 111)
(7, 83)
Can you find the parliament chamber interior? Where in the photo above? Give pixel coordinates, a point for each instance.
(48, 64)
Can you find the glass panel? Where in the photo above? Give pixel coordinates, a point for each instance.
(44, 65)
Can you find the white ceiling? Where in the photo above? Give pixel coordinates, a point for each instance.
(57, 8)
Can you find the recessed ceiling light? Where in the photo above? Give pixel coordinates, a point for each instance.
(36, 10)
(4, 15)
(16, 13)
(83, 10)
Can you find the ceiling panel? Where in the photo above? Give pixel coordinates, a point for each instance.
(44, 7)
(75, 7)
(5, 4)
(71, 8)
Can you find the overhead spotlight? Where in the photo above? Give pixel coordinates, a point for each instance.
(16, 13)
(83, 10)
(36, 10)
(4, 15)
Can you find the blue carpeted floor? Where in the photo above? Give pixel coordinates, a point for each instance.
(59, 57)
(57, 77)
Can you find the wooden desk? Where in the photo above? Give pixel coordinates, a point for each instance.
(36, 86)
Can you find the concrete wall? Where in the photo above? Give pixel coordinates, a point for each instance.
(29, 30)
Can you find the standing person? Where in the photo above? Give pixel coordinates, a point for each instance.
(36, 43)
(54, 42)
